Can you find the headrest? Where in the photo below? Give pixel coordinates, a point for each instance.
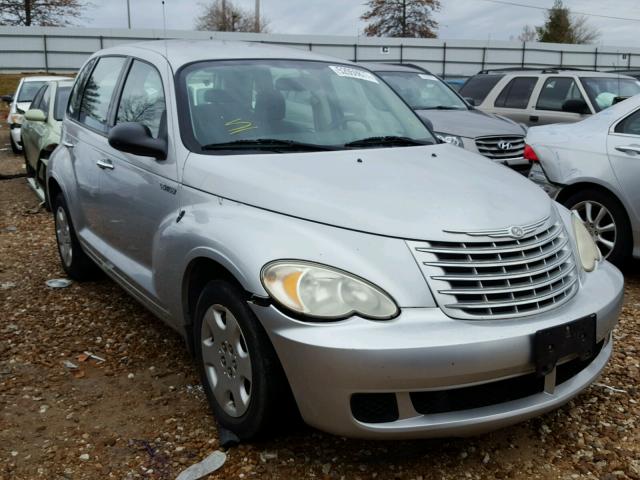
(270, 105)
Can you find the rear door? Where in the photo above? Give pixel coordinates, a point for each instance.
(554, 92)
(514, 100)
(85, 137)
(139, 194)
(623, 147)
(31, 131)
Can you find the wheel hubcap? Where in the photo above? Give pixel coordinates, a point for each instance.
(600, 224)
(63, 235)
(226, 360)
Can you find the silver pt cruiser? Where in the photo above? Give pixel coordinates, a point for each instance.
(296, 222)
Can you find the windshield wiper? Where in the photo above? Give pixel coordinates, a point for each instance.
(439, 107)
(273, 144)
(386, 141)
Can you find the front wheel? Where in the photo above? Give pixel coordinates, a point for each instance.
(239, 369)
(607, 222)
(75, 262)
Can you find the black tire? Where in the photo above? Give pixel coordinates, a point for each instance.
(270, 396)
(620, 254)
(78, 266)
(14, 146)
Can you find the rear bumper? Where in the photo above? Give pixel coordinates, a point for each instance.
(423, 350)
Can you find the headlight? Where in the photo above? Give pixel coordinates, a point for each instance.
(323, 292)
(452, 139)
(587, 249)
(16, 118)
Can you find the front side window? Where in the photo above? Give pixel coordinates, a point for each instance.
(142, 98)
(630, 125)
(423, 91)
(556, 91)
(98, 91)
(293, 102)
(73, 107)
(477, 88)
(44, 103)
(28, 91)
(604, 90)
(517, 93)
(62, 98)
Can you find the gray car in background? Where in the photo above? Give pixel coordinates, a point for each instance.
(452, 119)
(299, 225)
(593, 168)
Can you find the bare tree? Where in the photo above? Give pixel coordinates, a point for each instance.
(225, 16)
(46, 13)
(401, 18)
(528, 34)
(582, 32)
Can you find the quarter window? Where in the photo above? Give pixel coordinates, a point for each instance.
(556, 91)
(630, 125)
(142, 98)
(517, 93)
(96, 97)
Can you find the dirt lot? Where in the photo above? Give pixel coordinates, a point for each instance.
(141, 414)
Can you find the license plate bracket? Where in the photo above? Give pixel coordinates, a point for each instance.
(551, 344)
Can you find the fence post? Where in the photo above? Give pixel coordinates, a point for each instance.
(46, 54)
(524, 49)
(401, 52)
(101, 42)
(310, 46)
(355, 52)
(484, 56)
(444, 59)
(595, 67)
(629, 60)
(561, 57)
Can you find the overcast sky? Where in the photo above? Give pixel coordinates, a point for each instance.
(459, 19)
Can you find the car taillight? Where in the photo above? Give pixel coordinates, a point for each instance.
(530, 154)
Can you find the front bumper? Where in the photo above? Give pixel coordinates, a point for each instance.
(15, 132)
(424, 350)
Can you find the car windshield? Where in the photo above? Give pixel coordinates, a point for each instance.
(28, 91)
(423, 91)
(603, 90)
(288, 105)
(62, 98)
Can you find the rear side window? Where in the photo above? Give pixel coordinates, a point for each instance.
(478, 87)
(630, 125)
(556, 91)
(76, 92)
(62, 97)
(517, 93)
(142, 98)
(96, 97)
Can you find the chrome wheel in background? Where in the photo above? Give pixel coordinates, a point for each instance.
(226, 360)
(600, 224)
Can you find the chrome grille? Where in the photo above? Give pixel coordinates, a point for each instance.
(491, 147)
(500, 278)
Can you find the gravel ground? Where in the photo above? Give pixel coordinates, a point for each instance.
(141, 414)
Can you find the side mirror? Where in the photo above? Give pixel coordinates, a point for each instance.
(576, 106)
(7, 98)
(470, 101)
(35, 115)
(135, 138)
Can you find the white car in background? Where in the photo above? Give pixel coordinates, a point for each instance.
(593, 168)
(19, 104)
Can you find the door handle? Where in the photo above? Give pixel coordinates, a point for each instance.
(533, 118)
(632, 149)
(105, 164)
(68, 144)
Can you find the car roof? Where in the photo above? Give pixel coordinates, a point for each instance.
(551, 71)
(182, 52)
(43, 78)
(391, 67)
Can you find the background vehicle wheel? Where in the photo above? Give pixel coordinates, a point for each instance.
(14, 146)
(75, 262)
(606, 220)
(240, 372)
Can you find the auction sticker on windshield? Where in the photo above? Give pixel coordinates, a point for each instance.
(426, 77)
(353, 73)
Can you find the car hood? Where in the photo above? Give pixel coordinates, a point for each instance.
(470, 123)
(409, 192)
